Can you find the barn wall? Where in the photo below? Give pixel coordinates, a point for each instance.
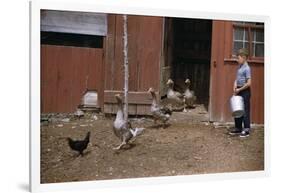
(144, 53)
(257, 90)
(66, 73)
(223, 71)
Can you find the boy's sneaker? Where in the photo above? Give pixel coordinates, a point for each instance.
(235, 131)
(245, 134)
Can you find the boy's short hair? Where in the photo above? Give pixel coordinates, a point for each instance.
(243, 52)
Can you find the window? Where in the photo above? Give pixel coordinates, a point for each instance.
(240, 39)
(249, 35)
(258, 42)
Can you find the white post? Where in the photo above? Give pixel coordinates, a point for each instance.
(126, 67)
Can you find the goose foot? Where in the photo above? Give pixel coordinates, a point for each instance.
(118, 147)
(133, 139)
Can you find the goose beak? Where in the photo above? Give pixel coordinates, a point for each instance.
(150, 90)
(169, 82)
(118, 97)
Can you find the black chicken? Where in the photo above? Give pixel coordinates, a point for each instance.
(79, 145)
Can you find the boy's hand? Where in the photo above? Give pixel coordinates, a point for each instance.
(236, 91)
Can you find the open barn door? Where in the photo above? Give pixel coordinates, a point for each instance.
(217, 55)
(167, 55)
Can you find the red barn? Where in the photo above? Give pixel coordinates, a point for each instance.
(84, 52)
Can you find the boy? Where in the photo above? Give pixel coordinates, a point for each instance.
(241, 87)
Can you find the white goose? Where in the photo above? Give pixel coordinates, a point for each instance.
(189, 96)
(122, 129)
(172, 94)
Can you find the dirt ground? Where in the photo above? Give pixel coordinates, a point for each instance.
(190, 145)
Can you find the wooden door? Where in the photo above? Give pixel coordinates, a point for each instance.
(66, 73)
(217, 76)
(167, 55)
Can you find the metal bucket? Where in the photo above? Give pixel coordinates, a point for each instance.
(237, 106)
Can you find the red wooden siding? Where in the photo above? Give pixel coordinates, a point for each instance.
(66, 73)
(144, 45)
(223, 72)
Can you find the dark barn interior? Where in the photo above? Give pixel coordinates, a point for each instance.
(191, 55)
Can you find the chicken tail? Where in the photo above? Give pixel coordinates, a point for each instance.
(70, 141)
(87, 138)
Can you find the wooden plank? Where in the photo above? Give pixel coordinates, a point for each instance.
(143, 110)
(149, 51)
(165, 67)
(221, 73)
(257, 91)
(133, 59)
(74, 22)
(228, 39)
(166, 74)
(95, 73)
(82, 78)
(213, 77)
(133, 97)
(53, 66)
(118, 73)
(44, 79)
(63, 85)
(109, 62)
(112, 109)
(107, 108)
(132, 109)
(76, 60)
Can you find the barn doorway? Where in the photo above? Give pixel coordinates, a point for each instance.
(188, 54)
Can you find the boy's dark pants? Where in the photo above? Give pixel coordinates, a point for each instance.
(246, 94)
